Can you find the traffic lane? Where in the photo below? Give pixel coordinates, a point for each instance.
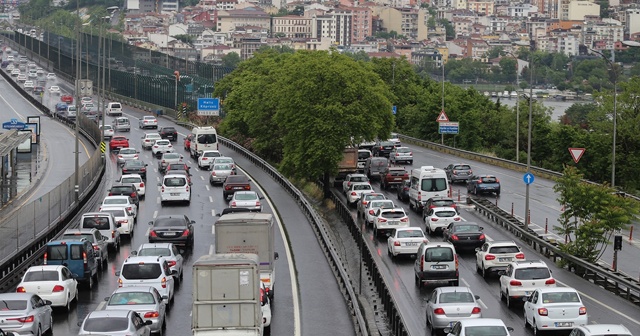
(317, 287)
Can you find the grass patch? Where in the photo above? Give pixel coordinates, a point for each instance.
(329, 205)
(312, 190)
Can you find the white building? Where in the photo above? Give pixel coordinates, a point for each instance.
(521, 10)
(632, 24)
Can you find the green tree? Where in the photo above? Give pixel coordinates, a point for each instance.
(431, 22)
(450, 31)
(186, 38)
(495, 52)
(231, 60)
(577, 114)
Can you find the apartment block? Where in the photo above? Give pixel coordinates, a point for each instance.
(481, 7)
(632, 22)
(577, 10)
(252, 16)
(291, 26)
(409, 22)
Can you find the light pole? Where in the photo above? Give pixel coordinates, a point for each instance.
(442, 66)
(615, 110)
(77, 131)
(517, 109)
(526, 200)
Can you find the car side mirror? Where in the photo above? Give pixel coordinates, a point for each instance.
(105, 238)
(142, 138)
(146, 164)
(481, 228)
(502, 272)
(508, 328)
(80, 323)
(134, 253)
(165, 297)
(477, 249)
(477, 297)
(190, 183)
(261, 197)
(117, 273)
(276, 255)
(75, 276)
(525, 298)
(151, 223)
(193, 222)
(107, 298)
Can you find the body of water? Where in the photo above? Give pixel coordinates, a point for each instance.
(558, 106)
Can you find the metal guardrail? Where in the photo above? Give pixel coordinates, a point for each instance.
(49, 214)
(614, 282)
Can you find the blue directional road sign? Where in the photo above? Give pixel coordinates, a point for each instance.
(14, 124)
(209, 106)
(448, 127)
(528, 178)
(395, 109)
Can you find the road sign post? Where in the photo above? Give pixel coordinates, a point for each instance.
(449, 127)
(209, 106)
(528, 178)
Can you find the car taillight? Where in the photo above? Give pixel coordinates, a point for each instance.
(353, 193)
(186, 189)
(438, 311)
(482, 237)
(141, 184)
(133, 195)
(185, 233)
(171, 263)
(381, 147)
(489, 257)
(258, 204)
(119, 156)
(153, 234)
(151, 314)
(364, 203)
(130, 208)
(113, 234)
(21, 290)
(163, 161)
(434, 219)
(45, 258)
(396, 243)
(583, 311)
(454, 237)
(247, 187)
(119, 282)
(371, 212)
(520, 256)
(419, 197)
(397, 154)
(515, 283)
(58, 289)
(543, 311)
(405, 219)
(155, 146)
(476, 310)
(110, 194)
(455, 219)
(162, 189)
(550, 282)
(213, 173)
(382, 220)
(227, 188)
(26, 319)
(163, 282)
(143, 169)
(96, 248)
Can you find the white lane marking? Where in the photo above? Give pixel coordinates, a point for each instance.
(211, 250)
(158, 178)
(603, 304)
(211, 199)
(155, 214)
(207, 186)
(155, 170)
(213, 229)
(297, 331)
(158, 200)
(213, 212)
(101, 305)
(202, 177)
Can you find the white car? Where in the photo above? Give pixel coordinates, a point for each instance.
(33, 74)
(553, 309)
(127, 154)
(108, 131)
(148, 121)
(166, 250)
(437, 219)
(246, 199)
(162, 146)
(495, 256)
(51, 76)
(15, 72)
(110, 201)
(522, 278)
(265, 306)
(396, 141)
(22, 78)
(28, 85)
(137, 181)
(353, 178)
(405, 240)
(124, 217)
(373, 206)
(364, 201)
(389, 219)
(206, 159)
(51, 282)
(479, 326)
(600, 330)
(148, 271)
(356, 190)
(149, 139)
(54, 89)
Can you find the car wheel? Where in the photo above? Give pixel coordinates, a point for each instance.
(534, 327)
(526, 323)
(418, 281)
(485, 274)
(39, 332)
(432, 329)
(501, 295)
(508, 298)
(68, 305)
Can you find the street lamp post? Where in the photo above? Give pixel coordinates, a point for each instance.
(442, 104)
(517, 109)
(526, 200)
(77, 124)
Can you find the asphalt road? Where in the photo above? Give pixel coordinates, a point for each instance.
(543, 203)
(602, 306)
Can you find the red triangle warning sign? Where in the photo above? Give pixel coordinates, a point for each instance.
(442, 117)
(576, 153)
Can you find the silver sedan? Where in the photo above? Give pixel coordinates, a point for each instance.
(446, 305)
(219, 172)
(127, 154)
(144, 300)
(246, 199)
(114, 323)
(25, 314)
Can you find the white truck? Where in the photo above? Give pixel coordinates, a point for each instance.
(250, 232)
(226, 296)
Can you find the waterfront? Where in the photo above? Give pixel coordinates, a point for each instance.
(558, 106)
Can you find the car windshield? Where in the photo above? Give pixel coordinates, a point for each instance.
(434, 184)
(13, 305)
(560, 297)
(132, 298)
(438, 254)
(131, 179)
(504, 249)
(116, 201)
(167, 222)
(361, 187)
(445, 213)
(106, 324)
(141, 271)
(410, 234)
(392, 214)
(100, 223)
(175, 182)
(207, 138)
(485, 331)
(532, 273)
(154, 251)
(41, 276)
(73, 236)
(489, 179)
(127, 151)
(211, 154)
(456, 297)
(245, 196)
(466, 228)
(358, 179)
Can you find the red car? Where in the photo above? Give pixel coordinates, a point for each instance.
(118, 142)
(67, 99)
(187, 141)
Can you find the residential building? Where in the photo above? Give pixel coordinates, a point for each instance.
(601, 35)
(247, 44)
(169, 6)
(481, 7)
(361, 24)
(632, 22)
(227, 21)
(459, 4)
(141, 6)
(408, 22)
(342, 19)
(521, 10)
(291, 26)
(578, 9)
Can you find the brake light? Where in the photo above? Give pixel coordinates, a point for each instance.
(476, 310)
(434, 219)
(110, 194)
(164, 282)
(515, 283)
(364, 203)
(113, 234)
(21, 290)
(143, 169)
(27, 319)
(454, 237)
(162, 189)
(371, 212)
(520, 256)
(130, 208)
(153, 234)
(419, 197)
(186, 189)
(550, 282)
(133, 195)
(154, 146)
(119, 156)
(96, 248)
(353, 193)
(258, 204)
(163, 161)
(381, 147)
(45, 258)
(58, 289)
(543, 311)
(489, 257)
(396, 243)
(583, 311)
(141, 184)
(482, 237)
(204, 159)
(213, 173)
(455, 172)
(455, 219)
(151, 314)
(227, 188)
(247, 187)
(84, 260)
(397, 154)
(438, 311)
(171, 263)
(185, 233)
(405, 219)
(382, 220)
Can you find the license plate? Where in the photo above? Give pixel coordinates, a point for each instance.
(171, 234)
(504, 259)
(411, 244)
(439, 267)
(175, 194)
(237, 188)
(564, 324)
(398, 179)
(394, 222)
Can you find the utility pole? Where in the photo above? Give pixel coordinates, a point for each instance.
(442, 66)
(77, 131)
(527, 185)
(517, 113)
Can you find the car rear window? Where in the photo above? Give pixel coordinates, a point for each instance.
(237, 179)
(115, 201)
(445, 213)
(456, 297)
(443, 203)
(374, 197)
(384, 204)
(222, 167)
(433, 184)
(486, 331)
(403, 150)
(88, 237)
(378, 161)
(211, 154)
(76, 252)
(13, 305)
(166, 222)
(116, 212)
(117, 106)
(100, 223)
(410, 234)
(361, 187)
(504, 249)
(57, 252)
(141, 271)
(560, 297)
(41, 276)
(488, 180)
(131, 180)
(363, 155)
(154, 251)
(396, 172)
(392, 214)
(462, 167)
(245, 196)
(127, 151)
(358, 179)
(387, 144)
(120, 190)
(438, 254)
(175, 182)
(171, 156)
(532, 273)
(207, 139)
(132, 298)
(466, 228)
(106, 324)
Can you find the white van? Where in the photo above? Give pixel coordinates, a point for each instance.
(204, 138)
(175, 188)
(105, 223)
(436, 262)
(427, 182)
(114, 109)
(122, 124)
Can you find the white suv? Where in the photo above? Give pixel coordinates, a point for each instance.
(148, 271)
(389, 219)
(175, 187)
(495, 256)
(521, 278)
(149, 139)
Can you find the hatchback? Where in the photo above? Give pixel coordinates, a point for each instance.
(167, 250)
(168, 158)
(124, 200)
(478, 326)
(162, 146)
(386, 220)
(206, 159)
(401, 154)
(137, 181)
(356, 190)
(554, 309)
(483, 184)
(25, 314)
(114, 323)
(144, 300)
(437, 219)
(148, 271)
(246, 199)
(175, 188)
(127, 154)
(405, 241)
(521, 278)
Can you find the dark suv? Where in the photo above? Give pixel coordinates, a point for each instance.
(235, 183)
(383, 148)
(169, 132)
(126, 189)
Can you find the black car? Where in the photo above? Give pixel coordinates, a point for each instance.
(439, 202)
(135, 167)
(403, 190)
(464, 235)
(176, 229)
(234, 183)
(169, 132)
(125, 189)
(383, 148)
(170, 168)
